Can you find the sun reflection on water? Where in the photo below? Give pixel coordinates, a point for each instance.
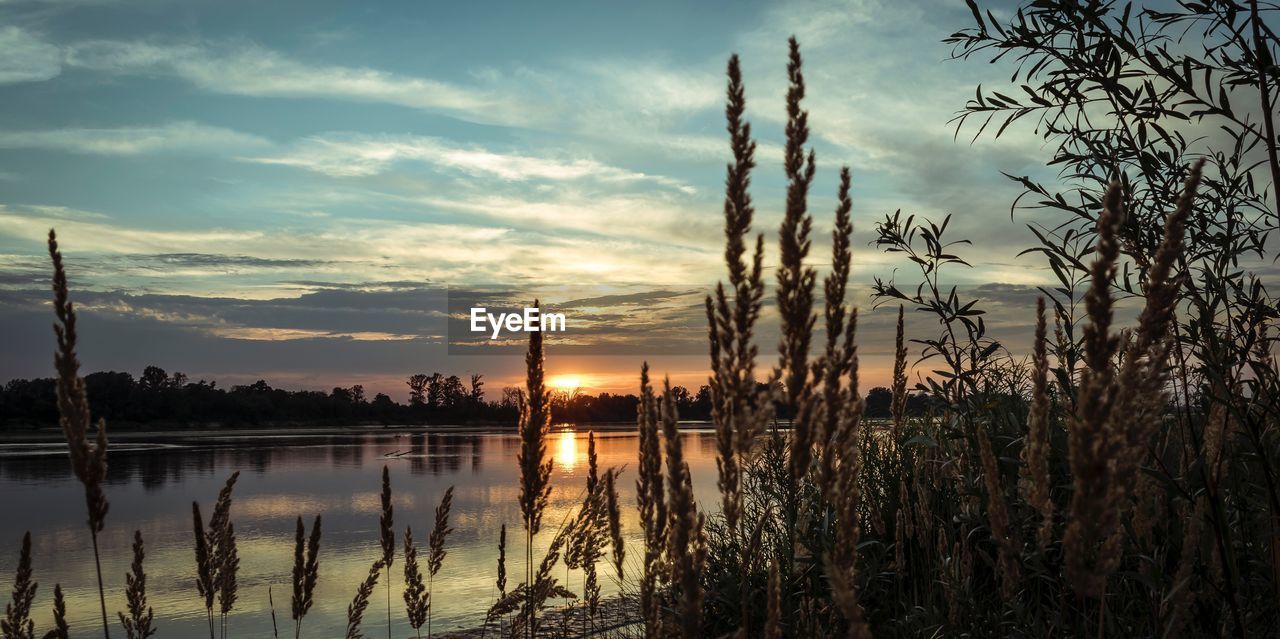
(566, 450)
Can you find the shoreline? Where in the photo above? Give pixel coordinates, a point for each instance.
(48, 435)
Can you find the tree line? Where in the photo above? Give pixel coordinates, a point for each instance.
(157, 397)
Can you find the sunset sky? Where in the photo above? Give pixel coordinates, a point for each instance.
(286, 190)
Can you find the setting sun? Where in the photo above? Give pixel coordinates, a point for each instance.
(568, 383)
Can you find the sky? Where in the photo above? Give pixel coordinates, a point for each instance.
(290, 190)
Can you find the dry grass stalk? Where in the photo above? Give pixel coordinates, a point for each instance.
(841, 325)
(898, 405)
(360, 603)
(1035, 485)
(60, 629)
(217, 557)
(138, 625)
(651, 502)
(535, 422)
(502, 562)
(593, 463)
(17, 623)
(837, 356)
(89, 461)
(795, 280)
(615, 522)
(535, 466)
(271, 603)
(306, 572)
(586, 543)
(1092, 518)
(1177, 602)
(435, 543)
(773, 612)
(387, 536)
(732, 315)
(531, 599)
(205, 571)
(229, 563)
(686, 550)
(1117, 412)
(998, 518)
(416, 595)
(845, 494)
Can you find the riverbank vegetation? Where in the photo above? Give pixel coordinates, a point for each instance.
(1121, 480)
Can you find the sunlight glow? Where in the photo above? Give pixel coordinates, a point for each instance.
(566, 450)
(568, 383)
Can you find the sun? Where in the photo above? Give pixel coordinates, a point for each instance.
(567, 383)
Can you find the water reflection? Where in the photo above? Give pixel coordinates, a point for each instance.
(151, 486)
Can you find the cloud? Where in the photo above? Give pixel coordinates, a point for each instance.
(172, 137)
(354, 155)
(27, 58)
(248, 69)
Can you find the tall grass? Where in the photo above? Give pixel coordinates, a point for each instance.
(1120, 480)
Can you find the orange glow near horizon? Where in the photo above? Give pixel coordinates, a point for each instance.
(568, 383)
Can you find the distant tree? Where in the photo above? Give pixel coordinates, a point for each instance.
(417, 389)
(476, 394)
(435, 391)
(357, 393)
(512, 397)
(453, 396)
(153, 379)
(879, 402)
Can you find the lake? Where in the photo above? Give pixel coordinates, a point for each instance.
(338, 475)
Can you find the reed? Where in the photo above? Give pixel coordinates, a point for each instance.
(1092, 518)
(1035, 487)
(773, 611)
(205, 572)
(217, 558)
(416, 596)
(686, 548)
(998, 518)
(360, 603)
(1118, 411)
(89, 461)
(306, 572)
(17, 623)
(386, 523)
(898, 405)
(502, 562)
(439, 533)
(60, 628)
(535, 466)
(651, 501)
(139, 623)
(615, 524)
(732, 312)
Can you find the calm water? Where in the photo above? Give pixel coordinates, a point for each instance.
(152, 486)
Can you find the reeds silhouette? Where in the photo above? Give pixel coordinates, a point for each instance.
(306, 572)
(1144, 498)
(435, 544)
(139, 623)
(386, 526)
(416, 594)
(217, 558)
(89, 461)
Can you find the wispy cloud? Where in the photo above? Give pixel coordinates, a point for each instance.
(352, 155)
(171, 137)
(248, 69)
(27, 58)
